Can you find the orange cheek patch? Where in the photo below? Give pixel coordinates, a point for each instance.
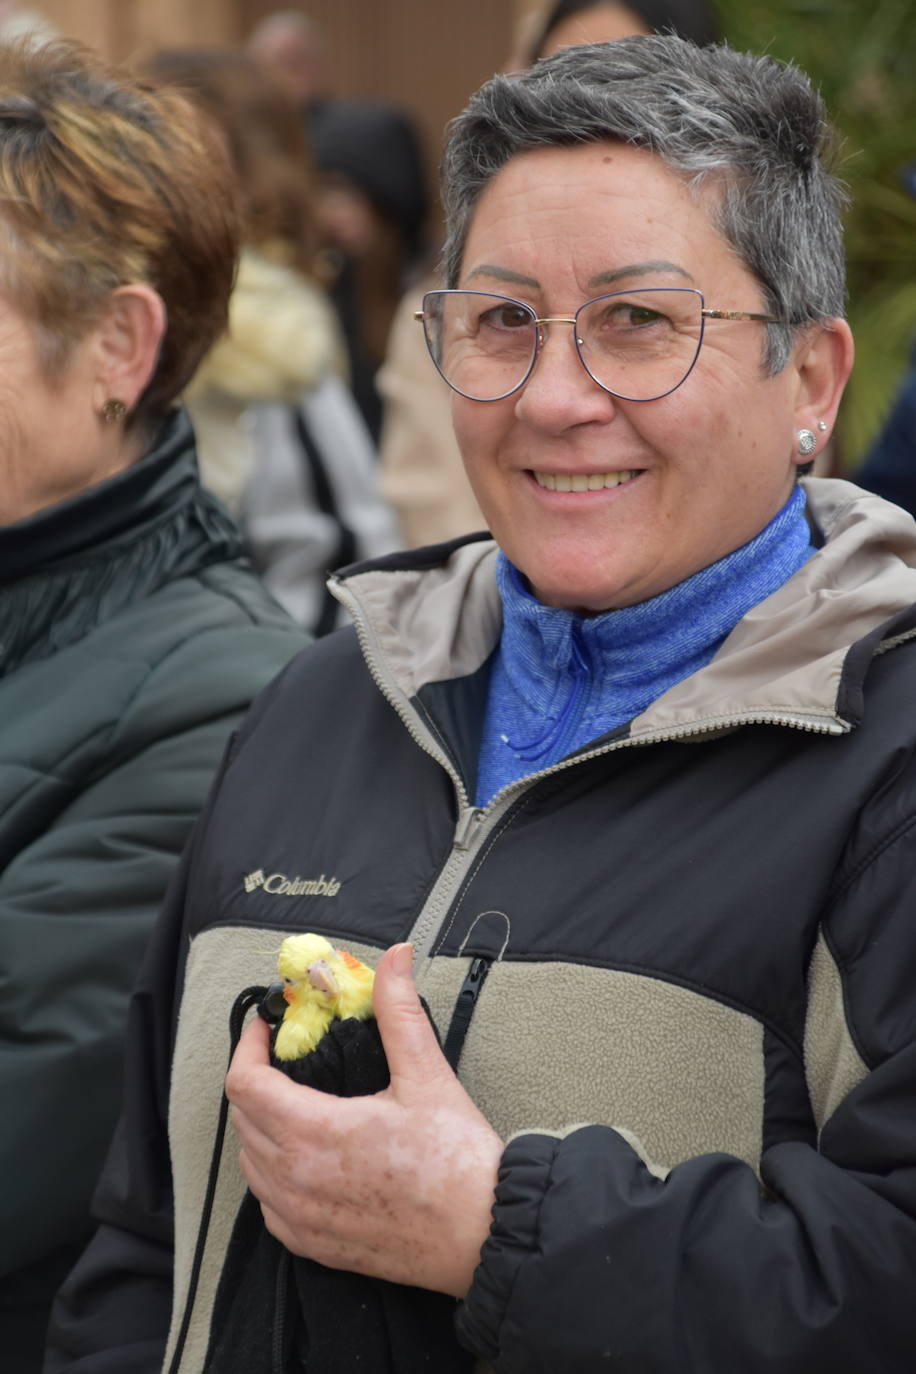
(349, 959)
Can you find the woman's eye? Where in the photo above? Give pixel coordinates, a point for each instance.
(628, 316)
(505, 317)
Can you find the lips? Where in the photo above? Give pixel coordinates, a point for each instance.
(581, 481)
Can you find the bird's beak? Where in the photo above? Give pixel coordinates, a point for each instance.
(322, 979)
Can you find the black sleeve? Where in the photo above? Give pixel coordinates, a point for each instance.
(595, 1263)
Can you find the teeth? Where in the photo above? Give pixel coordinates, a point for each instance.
(578, 481)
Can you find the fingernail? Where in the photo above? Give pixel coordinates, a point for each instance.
(402, 961)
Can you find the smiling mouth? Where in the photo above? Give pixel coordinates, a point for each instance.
(581, 481)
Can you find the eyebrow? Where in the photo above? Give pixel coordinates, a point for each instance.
(637, 269)
(503, 274)
(634, 269)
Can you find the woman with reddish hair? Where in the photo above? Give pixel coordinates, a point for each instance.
(133, 633)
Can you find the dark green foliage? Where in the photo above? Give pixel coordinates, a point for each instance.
(862, 56)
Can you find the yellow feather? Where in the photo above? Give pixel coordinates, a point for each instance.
(312, 1008)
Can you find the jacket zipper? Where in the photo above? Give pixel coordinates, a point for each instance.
(475, 824)
(465, 1003)
(280, 1302)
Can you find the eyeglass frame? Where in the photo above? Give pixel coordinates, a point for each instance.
(706, 313)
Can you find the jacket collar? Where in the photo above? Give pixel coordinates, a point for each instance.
(77, 563)
(148, 490)
(435, 616)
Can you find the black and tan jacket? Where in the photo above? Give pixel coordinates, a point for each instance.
(677, 971)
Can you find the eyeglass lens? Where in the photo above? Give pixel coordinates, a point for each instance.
(637, 344)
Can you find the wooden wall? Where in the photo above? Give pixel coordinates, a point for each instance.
(427, 55)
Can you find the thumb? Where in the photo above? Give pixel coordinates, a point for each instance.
(413, 1053)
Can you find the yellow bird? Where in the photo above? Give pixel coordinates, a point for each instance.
(320, 984)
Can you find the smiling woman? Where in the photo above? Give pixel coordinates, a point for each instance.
(680, 402)
(643, 804)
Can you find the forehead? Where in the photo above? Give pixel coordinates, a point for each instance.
(591, 208)
(597, 24)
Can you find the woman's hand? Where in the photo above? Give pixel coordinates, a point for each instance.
(398, 1185)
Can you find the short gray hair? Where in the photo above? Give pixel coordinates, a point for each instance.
(752, 124)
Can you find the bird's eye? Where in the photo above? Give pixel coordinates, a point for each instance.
(288, 982)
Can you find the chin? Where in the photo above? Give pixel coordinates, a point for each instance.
(571, 584)
(582, 598)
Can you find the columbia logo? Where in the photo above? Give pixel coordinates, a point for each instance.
(278, 884)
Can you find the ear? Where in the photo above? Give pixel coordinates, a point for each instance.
(823, 362)
(127, 341)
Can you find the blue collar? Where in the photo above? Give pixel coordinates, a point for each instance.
(561, 679)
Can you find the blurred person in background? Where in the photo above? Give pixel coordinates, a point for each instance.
(889, 467)
(373, 198)
(570, 23)
(23, 23)
(422, 474)
(280, 437)
(134, 634)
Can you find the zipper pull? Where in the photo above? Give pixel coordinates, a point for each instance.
(466, 1001)
(467, 824)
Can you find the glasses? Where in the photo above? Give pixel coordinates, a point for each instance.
(638, 345)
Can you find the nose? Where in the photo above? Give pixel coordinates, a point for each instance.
(559, 393)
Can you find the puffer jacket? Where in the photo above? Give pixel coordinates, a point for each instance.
(133, 639)
(676, 971)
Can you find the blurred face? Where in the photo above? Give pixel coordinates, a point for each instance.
(300, 66)
(50, 446)
(676, 483)
(599, 24)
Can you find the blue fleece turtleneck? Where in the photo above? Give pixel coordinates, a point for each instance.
(560, 680)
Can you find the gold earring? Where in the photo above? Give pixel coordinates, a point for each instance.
(113, 410)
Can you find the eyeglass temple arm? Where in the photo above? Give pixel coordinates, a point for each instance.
(740, 315)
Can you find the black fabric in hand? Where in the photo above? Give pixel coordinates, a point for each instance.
(276, 1313)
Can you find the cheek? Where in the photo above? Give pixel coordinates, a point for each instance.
(14, 435)
(477, 430)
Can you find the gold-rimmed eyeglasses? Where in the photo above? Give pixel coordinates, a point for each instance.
(637, 345)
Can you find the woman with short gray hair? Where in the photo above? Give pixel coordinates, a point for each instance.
(752, 131)
(635, 779)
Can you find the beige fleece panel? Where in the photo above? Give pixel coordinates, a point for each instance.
(220, 964)
(833, 1065)
(555, 1043)
(549, 1045)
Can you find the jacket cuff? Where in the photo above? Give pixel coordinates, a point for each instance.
(524, 1176)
